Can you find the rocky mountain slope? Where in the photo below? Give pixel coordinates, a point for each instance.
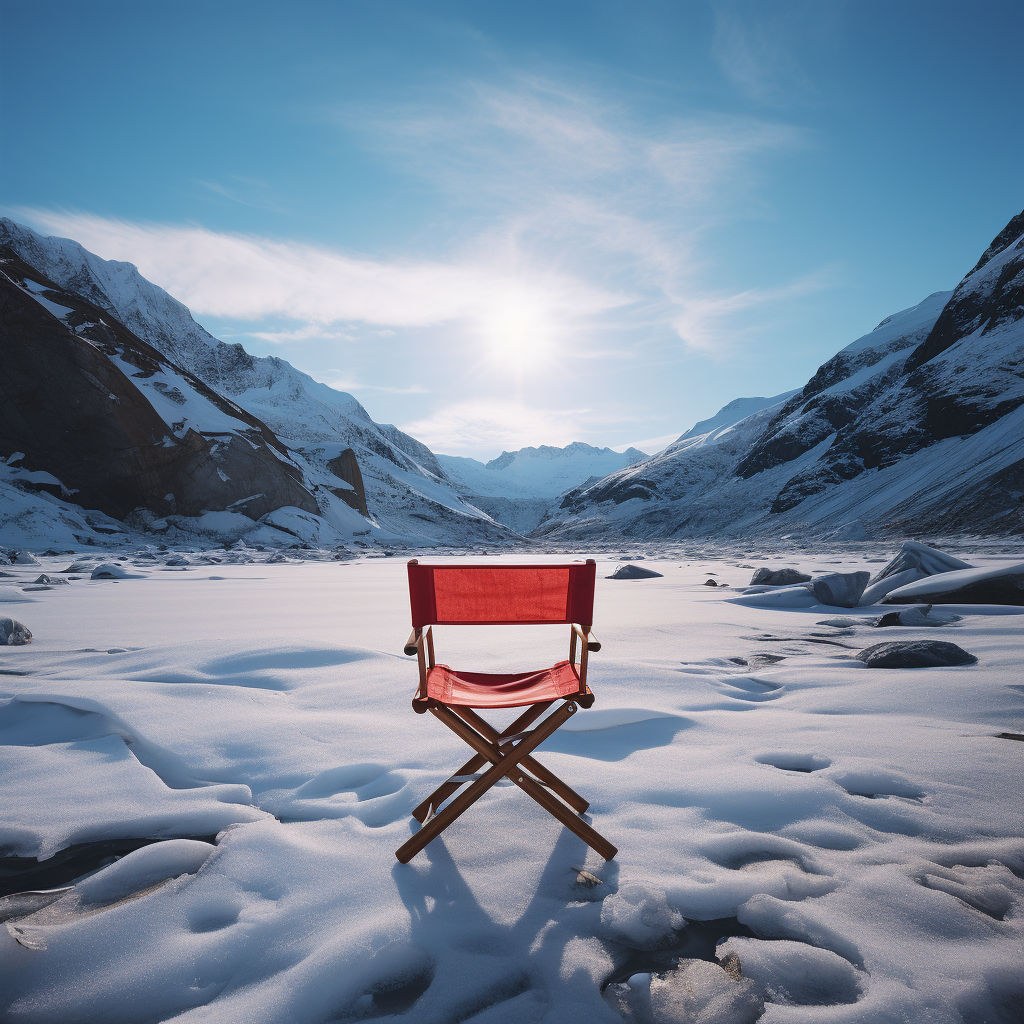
(94, 416)
(917, 427)
(405, 490)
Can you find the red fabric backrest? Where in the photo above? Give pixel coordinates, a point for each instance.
(491, 595)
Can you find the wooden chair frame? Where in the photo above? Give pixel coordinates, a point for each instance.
(509, 752)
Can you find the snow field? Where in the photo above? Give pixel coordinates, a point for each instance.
(862, 825)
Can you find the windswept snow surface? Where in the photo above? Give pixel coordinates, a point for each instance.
(863, 825)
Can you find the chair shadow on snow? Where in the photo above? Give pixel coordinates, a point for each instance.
(618, 742)
(477, 962)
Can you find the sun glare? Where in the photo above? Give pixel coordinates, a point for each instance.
(519, 334)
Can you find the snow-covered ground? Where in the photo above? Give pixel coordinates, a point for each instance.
(855, 833)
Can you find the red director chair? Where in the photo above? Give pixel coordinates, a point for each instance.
(489, 595)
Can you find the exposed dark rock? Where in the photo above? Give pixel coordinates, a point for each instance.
(841, 589)
(76, 413)
(633, 572)
(710, 583)
(1008, 589)
(918, 615)
(778, 577)
(764, 660)
(13, 633)
(346, 467)
(971, 307)
(915, 654)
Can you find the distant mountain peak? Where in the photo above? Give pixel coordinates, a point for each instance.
(570, 451)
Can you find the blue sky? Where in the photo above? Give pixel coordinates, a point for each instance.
(511, 224)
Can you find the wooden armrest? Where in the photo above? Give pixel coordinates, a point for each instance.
(593, 646)
(413, 644)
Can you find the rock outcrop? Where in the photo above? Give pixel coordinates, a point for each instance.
(918, 427)
(118, 424)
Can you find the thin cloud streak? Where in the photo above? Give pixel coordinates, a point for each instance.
(557, 172)
(249, 277)
(337, 380)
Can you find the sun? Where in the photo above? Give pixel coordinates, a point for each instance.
(519, 334)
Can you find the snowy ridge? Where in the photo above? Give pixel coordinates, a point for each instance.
(728, 416)
(543, 472)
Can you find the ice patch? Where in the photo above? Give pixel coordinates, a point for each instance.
(640, 916)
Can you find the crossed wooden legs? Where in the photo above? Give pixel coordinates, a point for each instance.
(509, 754)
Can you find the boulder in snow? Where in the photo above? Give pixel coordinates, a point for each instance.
(13, 633)
(840, 589)
(916, 616)
(876, 591)
(78, 567)
(632, 572)
(778, 577)
(25, 558)
(112, 571)
(1004, 585)
(926, 560)
(915, 654)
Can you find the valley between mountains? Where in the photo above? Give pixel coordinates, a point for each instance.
(123, 419)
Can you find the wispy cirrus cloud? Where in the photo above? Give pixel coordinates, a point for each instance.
(556, 173)
(698, 321)
(252, 192)
(756, 46)
(338, 380)
(306, 333)
(249, 277)
(574, 209)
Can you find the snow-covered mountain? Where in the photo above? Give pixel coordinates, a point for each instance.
(738, 409)
(518, 488)
(407, 493)
(543, 472)
(916, 427)
(93, 416)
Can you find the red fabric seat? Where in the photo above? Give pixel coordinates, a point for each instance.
(490, 690)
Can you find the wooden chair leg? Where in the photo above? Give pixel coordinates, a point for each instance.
(572, 822)
(544, 776)
(551, 804)
(497, 771)
(474, 764)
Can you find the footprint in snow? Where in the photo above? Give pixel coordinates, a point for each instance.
(370, 792)
(794, 762)
(749, 689)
